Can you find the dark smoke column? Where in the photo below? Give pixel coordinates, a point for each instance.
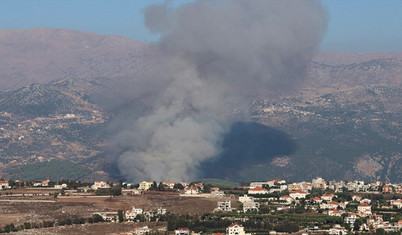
(211, 50)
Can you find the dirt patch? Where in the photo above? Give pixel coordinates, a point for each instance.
(99, 228)
(20, 210)
(280, 161)
(368, 166)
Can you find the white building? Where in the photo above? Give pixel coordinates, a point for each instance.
(145, 185)
(108, 216)
(337, 230)
(161, 211)
(235, 229)
(258, 184)
(60, 186)
(216, 193)
(286, 198)
(319, 183)
(297, 194)
(182, 231)
(142, 230)
(350, 219)
(272, 183)
(100, 184)
(4, 184)
(251, 206)
(327, 197)
(397, 203)
(246, 198)
(330, 205)
(224, 206)
(131, 214)
(169, 184)
(364, 208)
(191, 190)
(257, 190)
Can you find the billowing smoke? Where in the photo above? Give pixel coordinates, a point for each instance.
(208, 52)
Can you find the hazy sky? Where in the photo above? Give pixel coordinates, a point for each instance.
(355, 25)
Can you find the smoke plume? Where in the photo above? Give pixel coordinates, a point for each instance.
(209, 51)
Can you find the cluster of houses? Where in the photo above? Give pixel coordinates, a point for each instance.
(134, 212)
(319, 183)
(326, 202)
(233, 229)
(291, 194)
(131, 215)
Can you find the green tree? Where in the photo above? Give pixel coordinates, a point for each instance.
(140, 218)
(27, 225)
(178, 186)
(97, 218)
(10, 228)
(380, 231)
(162, 187)
(115, 191)
(120, 216)
(287, 227)
(12, 183)
(154, 186)
(79, 221)
(47, 224)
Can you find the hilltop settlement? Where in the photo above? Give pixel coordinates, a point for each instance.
(148, 207)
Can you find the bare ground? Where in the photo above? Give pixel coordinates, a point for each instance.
(18, 210)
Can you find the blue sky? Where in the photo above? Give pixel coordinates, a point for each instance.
(355, 25)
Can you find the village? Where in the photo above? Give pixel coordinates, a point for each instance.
(148, 207)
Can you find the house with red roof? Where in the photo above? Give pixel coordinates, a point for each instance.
(297, 194)
(335, 212)
(142, 230)
(338, 230)
(351, 218)
(4, 184)
(257, 190)
(357, 198)
(316, 200)
(182, 231)
(327, 197)
(364, 209)
(329, 205)
(235, 229)
(397, 203)
(100, 184)
(169, 184)
(191, 190)
(199, 185)
(286, 198)
(43, 183)
(386, 189)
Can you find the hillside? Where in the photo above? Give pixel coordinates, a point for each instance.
(46, 123)
(352, 134)
(344, 121)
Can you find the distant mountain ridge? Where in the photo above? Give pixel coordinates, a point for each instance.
(43, 55)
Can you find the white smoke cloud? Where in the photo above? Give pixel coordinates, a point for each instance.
(210, 50)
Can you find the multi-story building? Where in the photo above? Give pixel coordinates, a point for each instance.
(145, 185)
(100, 184)
(224, 206)
(235, 229)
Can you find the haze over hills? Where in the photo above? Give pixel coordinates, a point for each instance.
(343, 122)
(43, 55)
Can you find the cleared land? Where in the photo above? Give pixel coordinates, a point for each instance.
(36, 209)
